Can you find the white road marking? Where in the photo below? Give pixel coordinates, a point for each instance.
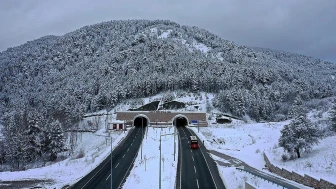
(197, 183)
(108, 177)
(180, 159)
(195, 168)
(131, 143)
(116, 166)
(129, 168)
(193, 158)
(207, 166)
(123, 155)
(127, 149)
(95, 174)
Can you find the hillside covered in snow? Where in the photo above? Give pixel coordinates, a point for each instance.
(98, 66)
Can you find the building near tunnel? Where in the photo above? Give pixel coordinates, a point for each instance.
(116, 125)
(160, 118)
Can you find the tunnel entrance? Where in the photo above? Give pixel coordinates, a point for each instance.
(180, 121)
(140, 121)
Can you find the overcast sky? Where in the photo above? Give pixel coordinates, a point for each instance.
(302, 26)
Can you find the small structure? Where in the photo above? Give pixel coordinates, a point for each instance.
(117, 125)
(223, 120)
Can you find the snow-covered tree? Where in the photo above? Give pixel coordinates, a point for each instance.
(16, 142)
(300, 135)
(35, 135)
(332, 115)
(55, 140)
(2, 153)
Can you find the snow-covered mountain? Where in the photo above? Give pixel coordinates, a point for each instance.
(98, 66)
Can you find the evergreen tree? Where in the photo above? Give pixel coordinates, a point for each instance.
(2, 153)
(299, 135)
(35, 135)
(297, 109)
(16, 142)
(55, 140)
(332, 115)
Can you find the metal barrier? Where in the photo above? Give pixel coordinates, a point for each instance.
(274, 180)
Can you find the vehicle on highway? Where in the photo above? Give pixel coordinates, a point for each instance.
(193, 142)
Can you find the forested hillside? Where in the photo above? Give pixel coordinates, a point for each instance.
(95, 67)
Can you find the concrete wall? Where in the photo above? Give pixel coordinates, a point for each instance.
(165, 117)
(305, 179)
(248, 186)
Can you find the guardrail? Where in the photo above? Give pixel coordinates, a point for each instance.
(267, 178)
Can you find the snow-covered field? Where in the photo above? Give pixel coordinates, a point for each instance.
(247, 142)
(244, 141)
(94, 146)
(145, 173)
(235, 179)
(319, 163)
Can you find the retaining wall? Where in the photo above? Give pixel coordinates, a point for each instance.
(305, 179)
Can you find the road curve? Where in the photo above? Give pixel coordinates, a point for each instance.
(122, 163)
(195, 169)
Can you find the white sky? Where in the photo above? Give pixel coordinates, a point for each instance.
(303, 26)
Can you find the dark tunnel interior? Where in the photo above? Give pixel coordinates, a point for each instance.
(180, 122)
(140, 121)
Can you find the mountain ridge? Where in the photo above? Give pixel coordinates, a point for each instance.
(100, 65)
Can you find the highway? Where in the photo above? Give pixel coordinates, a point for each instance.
(195, 168)
(123, 159)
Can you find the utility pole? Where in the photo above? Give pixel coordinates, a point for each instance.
(160, 158)
(160, 165)
(111, 158)
(198, 125)
(174, 142)
(141, 135)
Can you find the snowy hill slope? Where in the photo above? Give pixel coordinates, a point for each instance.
(245, 141)
(139, 58)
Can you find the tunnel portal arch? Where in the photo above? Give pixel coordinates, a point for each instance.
(140, 119)
(180, 120)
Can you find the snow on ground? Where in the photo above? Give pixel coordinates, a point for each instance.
(319, 163)
(95, 147)
(154, 30)
(235, 179)
(219, 56)
(243, 141)
(165, 34)
(200, 46)
(247, 142)
(145, 173)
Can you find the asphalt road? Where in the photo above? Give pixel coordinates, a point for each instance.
(195, 169)
(122, 163)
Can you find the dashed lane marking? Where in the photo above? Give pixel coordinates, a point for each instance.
(108, 177)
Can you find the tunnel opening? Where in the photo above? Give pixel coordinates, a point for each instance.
(180, 121)
(140, 121)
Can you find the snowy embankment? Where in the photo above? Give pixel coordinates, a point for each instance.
(243, 141)
(235, 179)
(145, 173)
(319, 163)
(247, 142)
(92, 149)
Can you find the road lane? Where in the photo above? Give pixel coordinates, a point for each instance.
(123, 158)
(193, 169)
